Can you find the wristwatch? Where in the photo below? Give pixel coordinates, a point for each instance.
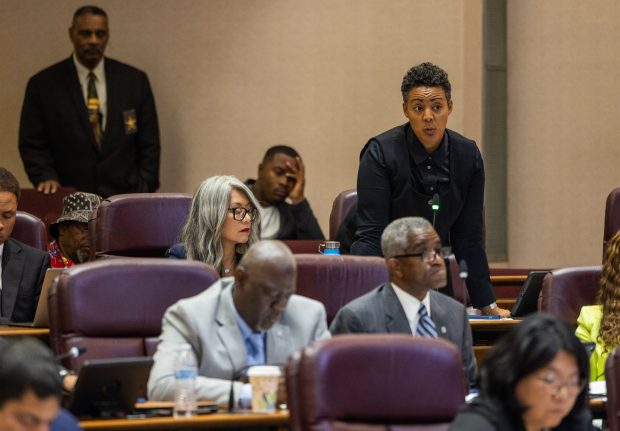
(488, 307)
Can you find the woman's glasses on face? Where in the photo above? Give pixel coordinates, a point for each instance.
(239, 213)
(573, 386)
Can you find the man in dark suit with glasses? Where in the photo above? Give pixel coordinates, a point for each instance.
(409, 303)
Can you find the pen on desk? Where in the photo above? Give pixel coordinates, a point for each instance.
(485, 317)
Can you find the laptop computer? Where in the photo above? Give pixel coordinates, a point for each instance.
(109, 387)
(41, 316)
(527, 300)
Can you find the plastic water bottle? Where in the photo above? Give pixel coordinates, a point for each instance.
(330, 248)
(185, 372)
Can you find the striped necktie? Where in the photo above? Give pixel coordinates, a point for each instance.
(426, 327)
(94, 113)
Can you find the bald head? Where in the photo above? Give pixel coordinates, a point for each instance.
(271, 255)
(264, 281)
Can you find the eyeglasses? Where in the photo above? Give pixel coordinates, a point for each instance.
(429, 256)
(573, 386)
(240, 212)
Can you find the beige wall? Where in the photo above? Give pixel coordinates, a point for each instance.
(563, 129)
(233, 77)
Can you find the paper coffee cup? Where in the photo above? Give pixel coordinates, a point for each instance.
(264, 380)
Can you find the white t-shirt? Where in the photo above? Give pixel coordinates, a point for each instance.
(269, 222)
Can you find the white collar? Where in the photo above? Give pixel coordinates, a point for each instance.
(83, 71)
(411, 304)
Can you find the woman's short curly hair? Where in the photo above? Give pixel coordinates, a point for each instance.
(425, 75)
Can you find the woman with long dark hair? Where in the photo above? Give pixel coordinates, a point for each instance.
(534, 379)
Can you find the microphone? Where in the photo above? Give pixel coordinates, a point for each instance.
(434, 204)
(73, 352)
(463, 270)
(463, 274)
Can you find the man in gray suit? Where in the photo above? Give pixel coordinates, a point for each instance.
(250, 319)
(409, 304)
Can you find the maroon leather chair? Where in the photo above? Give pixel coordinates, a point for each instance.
(114, 307)
(612, 381)
(337, 280)
(47, 207)
(340, 208)
(566, 290)
(375, 382)
(30, 230)
(612, 217)
(138, 224)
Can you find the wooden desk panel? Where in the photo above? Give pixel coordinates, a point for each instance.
(19, 331)
(217, 420)
(485, 334)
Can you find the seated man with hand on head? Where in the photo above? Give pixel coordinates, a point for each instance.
(282, 177)
(251, 319)
(409, 304)
(71, 242)
(22, 267)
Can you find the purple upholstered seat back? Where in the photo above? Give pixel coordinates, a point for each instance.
(30, 230)
(566, 290)
(375, 382)
(139, 224)
(114, 307)
(340, 208)
(337, 280)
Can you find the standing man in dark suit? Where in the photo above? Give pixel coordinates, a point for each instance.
(89, 121)
(22, 267)
(409, 303)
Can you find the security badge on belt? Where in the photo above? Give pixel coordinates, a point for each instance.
(131, 122)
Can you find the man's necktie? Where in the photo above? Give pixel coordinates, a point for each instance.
(257, 355)
(94, 113)
(426, 327)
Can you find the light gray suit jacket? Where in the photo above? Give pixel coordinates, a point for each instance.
(380, 311)
(207, 322)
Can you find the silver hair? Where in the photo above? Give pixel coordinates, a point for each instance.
(395, 238)
(202, 233)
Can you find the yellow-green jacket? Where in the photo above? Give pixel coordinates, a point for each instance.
(589, 322)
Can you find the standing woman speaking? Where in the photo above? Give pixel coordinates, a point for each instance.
(406, 169)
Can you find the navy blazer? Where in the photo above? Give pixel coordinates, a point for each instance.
(23, 270)
(56, 141)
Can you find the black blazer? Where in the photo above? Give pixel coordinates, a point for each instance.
(23, 270)
(386, 192)
(56, 140)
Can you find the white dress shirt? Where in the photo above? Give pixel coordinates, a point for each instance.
(411, 305)
(100, 84)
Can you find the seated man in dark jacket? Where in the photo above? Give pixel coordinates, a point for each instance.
(284, 211)
(22, 267)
